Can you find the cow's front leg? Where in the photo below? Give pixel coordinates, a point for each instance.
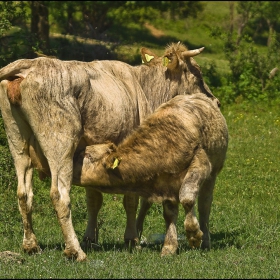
(145, 205)
(130, 202)
(170, 214)
(25, 198)
(94, 202)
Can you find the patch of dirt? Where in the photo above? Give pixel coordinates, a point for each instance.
(8, 256)
(155, 32)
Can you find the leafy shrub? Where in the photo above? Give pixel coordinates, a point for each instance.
(249, 78)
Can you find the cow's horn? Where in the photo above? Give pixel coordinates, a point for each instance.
(191, 53)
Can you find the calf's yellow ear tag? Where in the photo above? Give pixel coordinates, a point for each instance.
(165, 61)
(116, 163)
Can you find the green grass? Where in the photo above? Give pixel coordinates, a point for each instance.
(244, 222)
(245, 219)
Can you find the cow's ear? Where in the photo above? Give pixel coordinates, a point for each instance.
(171, 59)
(147, 55)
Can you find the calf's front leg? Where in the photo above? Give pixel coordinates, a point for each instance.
(198, 171)
(170, 214)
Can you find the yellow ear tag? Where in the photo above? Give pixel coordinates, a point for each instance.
(148, 57)
(115, 164)
(165, 61)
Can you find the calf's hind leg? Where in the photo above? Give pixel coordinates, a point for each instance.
(198, 171)
(205, 199)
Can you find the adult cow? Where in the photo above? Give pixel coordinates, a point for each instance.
(52, 109)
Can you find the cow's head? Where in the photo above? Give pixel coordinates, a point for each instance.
(179, 65)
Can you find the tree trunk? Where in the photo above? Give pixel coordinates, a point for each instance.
(40, 23)
(271, 32)
(231, 16)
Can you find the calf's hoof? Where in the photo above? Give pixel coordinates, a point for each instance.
(195, 238)
(168, 250)
(206, 245)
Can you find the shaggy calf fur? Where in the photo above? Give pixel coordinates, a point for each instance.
(173, 157)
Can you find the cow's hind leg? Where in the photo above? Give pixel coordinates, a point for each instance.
(170, 214)
(198, 171)
(25, 198)
(94, 202)
(18, 135)
(205, 199)
(60, 160)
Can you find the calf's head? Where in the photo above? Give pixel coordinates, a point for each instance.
(91, 165)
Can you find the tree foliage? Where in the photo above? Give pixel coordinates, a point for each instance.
(258, 19)
(11, 13)
(25, 28)
(253, 75)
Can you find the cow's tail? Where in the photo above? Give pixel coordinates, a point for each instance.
(19, 68)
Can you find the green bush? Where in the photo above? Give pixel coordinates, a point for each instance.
(249, 77)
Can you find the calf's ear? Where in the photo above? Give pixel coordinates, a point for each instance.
(113, 162)
(116, 163)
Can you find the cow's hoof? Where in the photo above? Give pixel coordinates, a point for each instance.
(131, 244)
(79, 256)
(31, 246)
(88, 244)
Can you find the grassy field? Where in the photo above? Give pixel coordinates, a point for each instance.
(245, 219)
(244, 223)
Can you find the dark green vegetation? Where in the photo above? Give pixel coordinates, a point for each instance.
(245, 220)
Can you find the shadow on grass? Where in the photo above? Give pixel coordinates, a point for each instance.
(219, 240)
(143, 36)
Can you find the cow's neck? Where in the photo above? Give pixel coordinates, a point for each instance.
(159, 85)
